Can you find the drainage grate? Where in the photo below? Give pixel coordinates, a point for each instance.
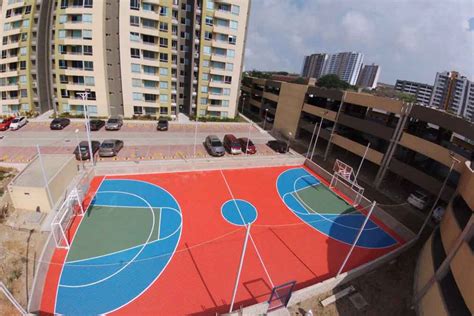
(358, 301)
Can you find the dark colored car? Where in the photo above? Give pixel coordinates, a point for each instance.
(247, 145)
(232, 145)
(96, 124)
(82, 151)
(162, 125)
(278, 146)
(59, 123)
(214, 146)
(5, 123)
(114, 124)
(110, 147)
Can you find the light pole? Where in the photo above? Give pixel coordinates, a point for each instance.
(311, 141)
(317, 138)
(360, 165)
(79, 147)
(84, 96)
(454, 161)
(288, 143)
(265, 119)
(243, 103)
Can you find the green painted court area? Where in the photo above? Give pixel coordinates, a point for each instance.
(320, 199)
(106, 229)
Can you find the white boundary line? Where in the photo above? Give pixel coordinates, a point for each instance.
(72, 241)
(130, 261)
(341, 241)
(234, 200)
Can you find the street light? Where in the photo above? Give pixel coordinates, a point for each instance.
(288, 142)
(84, 95)
(243, 103)
(248, 140)
(265, 119)
(79, 147)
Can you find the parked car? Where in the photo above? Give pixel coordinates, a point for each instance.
(214, 146)
(110, 147)
(59, 123)
(162, 125)
(247, 145)
(419, 199)
(18, 122)
(5, 123)
(114, 123)
(96, 124)
(232, 145)
(82, 151)
(278, 146)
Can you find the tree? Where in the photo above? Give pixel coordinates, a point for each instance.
(407, 98)
(332, 82)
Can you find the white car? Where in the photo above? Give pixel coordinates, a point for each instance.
(18, 123)
(419, 199)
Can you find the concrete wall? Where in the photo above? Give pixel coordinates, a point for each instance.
(29, 198)
(290, 103)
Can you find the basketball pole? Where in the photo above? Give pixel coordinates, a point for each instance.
(242, 257)
(357, 239)
(317, 138)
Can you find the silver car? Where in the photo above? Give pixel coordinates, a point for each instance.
(114, 124)
(110, 147)
(214, 146)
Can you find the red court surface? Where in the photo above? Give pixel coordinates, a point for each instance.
(200, 277)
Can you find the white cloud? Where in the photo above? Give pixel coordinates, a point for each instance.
(410, 39)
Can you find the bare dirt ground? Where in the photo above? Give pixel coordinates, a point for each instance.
(19, 250)
(388, 291)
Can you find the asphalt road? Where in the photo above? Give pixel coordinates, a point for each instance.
(132, 134)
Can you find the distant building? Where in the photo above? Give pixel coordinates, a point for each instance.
(422, 91)
(314, 65)
(369, 76)
(346, 65)
(454, 93)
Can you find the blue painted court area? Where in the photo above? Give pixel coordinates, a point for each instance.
(104, 283)
(239, 212)
(325, 211)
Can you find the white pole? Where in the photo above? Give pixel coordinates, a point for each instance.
(45, 179)
(427, 219)
(356, 240)
(317, 138)
(311, 141)
(265, 119)
(360, 165)
(288, 143)
(84, 96)
(79, 147)
(195, 137)
(242, 257)
(248, 139)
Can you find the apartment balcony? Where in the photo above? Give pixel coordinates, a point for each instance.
(12, 59)
(12, 87)
(217, 108)
(219, 84)
(220, 58)
(227, 15)
(75, 26)
(222, 44)
(218, 71)
(78, 101)
(224, 30)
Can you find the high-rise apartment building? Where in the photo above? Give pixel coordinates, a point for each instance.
(369, 76)
(314, 65)
(421, 91)
(346, 65)
(454, 93)
(18, 75)
(136, 57)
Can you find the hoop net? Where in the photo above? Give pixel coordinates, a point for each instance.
(61, 224)
(345, 173)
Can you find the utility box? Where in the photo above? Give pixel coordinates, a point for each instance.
(29, 189)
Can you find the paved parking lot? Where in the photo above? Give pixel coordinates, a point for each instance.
(142, 141)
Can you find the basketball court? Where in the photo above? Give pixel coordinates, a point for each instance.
(171, 243)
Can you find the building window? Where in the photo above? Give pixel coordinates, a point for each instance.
(232, 39)
(204, 89)
(62, 18)
(205, 76)
(163, 85)
(62, 34)
(163, 98)
(209, 20)
(206, 50)
(163, 110)
(163, 42)
(208, 36)
(88, 65)
(210, 4)
(134, 37)
(135, 4)
(233, 25)
(87, 18)
(87, 34)
(203, 101)
(235, 9)
(137, 96)
(163, 11)
(87, 50)
(134, 52)
(134, 20)
(225, 103)
(230, 53)
(23, 64)
(164, 71)
(163, 27)
(137, 110)
(164, 57)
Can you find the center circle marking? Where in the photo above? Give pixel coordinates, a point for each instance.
(239, 212)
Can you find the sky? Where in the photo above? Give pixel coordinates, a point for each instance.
(409, 39)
